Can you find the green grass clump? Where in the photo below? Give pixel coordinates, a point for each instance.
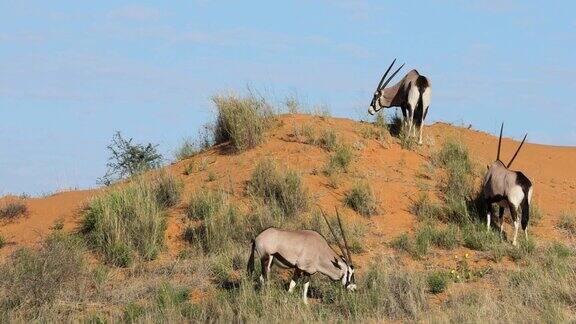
(204, 204)
(2, 241)
(560, 250)
(425, 210)
(167, 189)
(362, 199)
(222, 224)
(132, 312)
(458, 186)
(241, 120)
(446, 238)
(340, 160)
(476, 237)
(12, 210)
(417, 247)
(126, 222)
(281, 189)
(437, 282)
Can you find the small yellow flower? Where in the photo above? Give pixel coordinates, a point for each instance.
(456, 257)
(458, 277)
(466, 255)
(453, 271)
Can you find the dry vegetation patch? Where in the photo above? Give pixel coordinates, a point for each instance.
(11, 210)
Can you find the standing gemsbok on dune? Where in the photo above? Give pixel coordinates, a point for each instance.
(305, 251)
(507, 188)
(412, 94)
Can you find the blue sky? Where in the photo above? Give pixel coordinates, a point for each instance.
(73, 72)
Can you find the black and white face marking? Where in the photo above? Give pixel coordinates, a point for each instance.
(348, 279)
(375, 101)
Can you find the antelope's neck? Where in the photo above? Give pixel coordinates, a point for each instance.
(389, 96)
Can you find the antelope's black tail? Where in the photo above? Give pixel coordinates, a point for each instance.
(250, 267)
(526, 185)
(421, 84)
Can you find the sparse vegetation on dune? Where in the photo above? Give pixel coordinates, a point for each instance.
(32, 281)
(567, 223)
(11, 210)
(125, 227)
(187, 149)
(280, 189)
(361, 198)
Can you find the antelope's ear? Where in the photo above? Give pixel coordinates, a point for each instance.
(336, 264)
(487, 166)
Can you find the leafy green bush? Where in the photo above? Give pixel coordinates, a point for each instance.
(437, 282)
(280, 189)
(362, 199)
(241, 120)
(128, 159)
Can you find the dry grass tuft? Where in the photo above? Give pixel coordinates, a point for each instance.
(241, 120)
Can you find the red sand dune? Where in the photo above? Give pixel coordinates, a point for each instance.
(391, 171)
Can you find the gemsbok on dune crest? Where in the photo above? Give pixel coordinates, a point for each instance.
(507, 188)
(305, 251)
(412, 94)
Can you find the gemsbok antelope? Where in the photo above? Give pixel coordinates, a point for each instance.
(412, 94)
(507, 188)
(305, 251)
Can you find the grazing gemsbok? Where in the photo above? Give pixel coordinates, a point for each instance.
(305, 251)
(412, 94)
(507, 188)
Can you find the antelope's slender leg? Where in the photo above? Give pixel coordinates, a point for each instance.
(421, 128)
(501, 216)
(410, 119)
(305, 291)
(516, 220)
(404, 117)
(268, 267)
(265, 264)
(295, 278)
(490, 211)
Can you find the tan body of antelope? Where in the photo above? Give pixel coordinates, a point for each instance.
(305, 251)
(412, 94)
(509, 189)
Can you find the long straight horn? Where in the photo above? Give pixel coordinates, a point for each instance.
(385, 73)
(499, 142)
(390, 78)
(518, 150)
(349, 255)
(333, 233)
